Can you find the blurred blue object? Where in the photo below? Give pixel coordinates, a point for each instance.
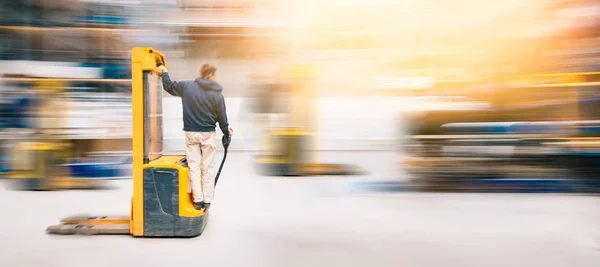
(98, 167)
(116, 71)
(505, 185)
(497, 128)
(476, 127)
(12, 114)
(95, 170)
(104, 19)
(4, 165)
(7, 55)
(531, 128)
(111, 70)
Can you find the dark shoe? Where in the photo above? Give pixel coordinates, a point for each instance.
(206, 205)
(199, 205)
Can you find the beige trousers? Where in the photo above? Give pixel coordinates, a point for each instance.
(200, 149)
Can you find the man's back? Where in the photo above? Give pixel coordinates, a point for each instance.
(202, 102)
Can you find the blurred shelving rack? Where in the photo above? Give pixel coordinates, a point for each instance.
(82, 47)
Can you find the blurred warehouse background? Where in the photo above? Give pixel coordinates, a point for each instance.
(390, 75)
(406, 95)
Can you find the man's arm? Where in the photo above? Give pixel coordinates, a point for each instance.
(222, 115)
(172, 87)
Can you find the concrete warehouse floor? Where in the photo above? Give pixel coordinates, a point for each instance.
(321, 221)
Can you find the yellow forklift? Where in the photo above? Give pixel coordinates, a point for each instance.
(40, 162)
(39, 166)
(292, 149)
(161, 205)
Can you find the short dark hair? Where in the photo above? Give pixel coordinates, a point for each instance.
(207, 70)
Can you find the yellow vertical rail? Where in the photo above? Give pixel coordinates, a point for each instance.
(142, 59)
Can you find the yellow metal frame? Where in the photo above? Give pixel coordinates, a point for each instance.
(142, 59)
(557, 79)
(288, 132)
(563, 74)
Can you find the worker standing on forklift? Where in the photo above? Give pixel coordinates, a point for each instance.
(203, 106)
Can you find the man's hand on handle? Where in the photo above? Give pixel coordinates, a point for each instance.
(161, 69)
(227, 138)
(226, 141)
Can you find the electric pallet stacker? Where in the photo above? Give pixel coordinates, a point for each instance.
(161, 205)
